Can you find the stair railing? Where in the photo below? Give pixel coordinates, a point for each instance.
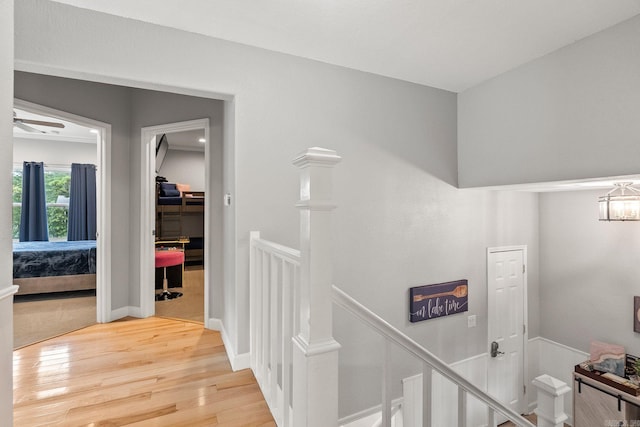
(430, 363)
(293, 353)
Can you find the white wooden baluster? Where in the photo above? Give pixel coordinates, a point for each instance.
(274, 306)
(288, 274)
(386, 385)
(253, 298)
(462, 407)
(266, 338)
(315, 354)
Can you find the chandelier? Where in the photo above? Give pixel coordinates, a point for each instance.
(622, 203)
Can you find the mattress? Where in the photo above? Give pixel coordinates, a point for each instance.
(170, 200)
(41, 259)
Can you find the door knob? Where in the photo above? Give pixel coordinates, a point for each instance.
(494, 349)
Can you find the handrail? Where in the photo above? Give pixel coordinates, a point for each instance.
(291, 255)
(389, 332)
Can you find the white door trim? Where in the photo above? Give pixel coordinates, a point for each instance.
(103, 178)
(525, 315)
(147, 210)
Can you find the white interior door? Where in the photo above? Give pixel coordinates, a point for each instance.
(506, 310)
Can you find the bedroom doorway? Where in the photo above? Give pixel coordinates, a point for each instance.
(58, 300)
(175, 217)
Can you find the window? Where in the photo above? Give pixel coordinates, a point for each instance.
(56, 183)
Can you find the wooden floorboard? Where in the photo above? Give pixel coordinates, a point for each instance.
(138, 372)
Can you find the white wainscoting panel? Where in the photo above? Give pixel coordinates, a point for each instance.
(445, 393)
(444, 409)
(544, 357)
(533, 370)
(412, 396)
(557, 360)
(372, 417)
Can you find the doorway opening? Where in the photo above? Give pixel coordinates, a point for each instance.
(62, 269)
(176, 208)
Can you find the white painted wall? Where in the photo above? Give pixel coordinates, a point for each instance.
(6, 260)
(571, 114)
(589, 273)
(53, 152)
(400, 222)
(185, 167)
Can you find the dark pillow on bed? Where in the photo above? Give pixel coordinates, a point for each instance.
(168, 189)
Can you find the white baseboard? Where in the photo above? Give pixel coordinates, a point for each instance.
(8, 291)
(122, 312)
(238, 361)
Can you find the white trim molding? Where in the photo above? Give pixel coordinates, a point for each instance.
(147, 210)
(8, 291)
(238, 361)
(126, 311)
(104, 205)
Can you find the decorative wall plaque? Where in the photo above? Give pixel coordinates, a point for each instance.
(442, 299)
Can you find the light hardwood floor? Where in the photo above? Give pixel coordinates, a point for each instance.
(135, 372)
(190, 306)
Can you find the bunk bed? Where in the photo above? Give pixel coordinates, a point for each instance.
(180, 214)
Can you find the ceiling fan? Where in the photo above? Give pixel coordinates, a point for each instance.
(24, 124)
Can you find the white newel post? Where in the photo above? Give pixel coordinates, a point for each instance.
(315, 352)
(550, 410)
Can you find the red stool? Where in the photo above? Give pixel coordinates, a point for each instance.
(168, 258)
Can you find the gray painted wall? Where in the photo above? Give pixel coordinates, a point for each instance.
(588, 273)
(108, 104)
(400, 222)
(571, 114)
(127, 110)
(185, 167)
(150, 108)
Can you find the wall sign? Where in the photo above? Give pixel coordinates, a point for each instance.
(442, 299)
(636, 314)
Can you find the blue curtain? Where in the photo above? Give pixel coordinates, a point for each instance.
(82, 202)
(33, 218)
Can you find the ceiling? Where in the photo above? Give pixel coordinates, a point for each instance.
(448, 44)
(71, 132)
(186, 140)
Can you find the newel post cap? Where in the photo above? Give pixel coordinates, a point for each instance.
(551, 385)
(317, 156)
